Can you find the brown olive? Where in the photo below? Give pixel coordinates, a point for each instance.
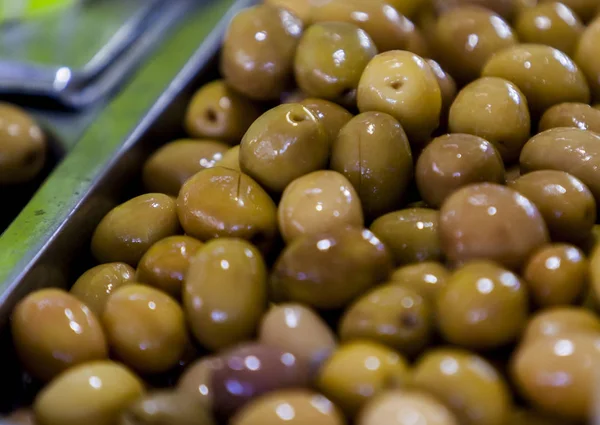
(587, 58)
(447, 85)
(230, 159)
(95, 286)
(257, 55)
(489, 221)
(578, 115)
(455, 160)
(411, 235)
(329, 270)
(332, 116)
(225, 292)
(283, 144)
(218, 112)
(560, 322)
(197, 380)
(165, 264)
(427, 278)
(466, 383)
(129, 229)
(316, 203)
(585, 9)
(53, 331)
(496, 110)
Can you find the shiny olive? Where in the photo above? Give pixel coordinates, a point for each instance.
(411, 234)
(197, 380)
(53, 331)
(145, 328)
(301, 8)
(567, 205)
(329, 270)
(496, 110)
(393, 315)
(482, 306)
(283, 144)
(230, 159)
(455, 160)
(92, 393)
(372, 151)
(358, 371)
(332, 116)
(403, 85)
(489, 221)
(330, 59)
(95, 286)
(544, 74)
(165, 264)
(578, 115)
(218, 112)
(257, 55)
(427, 278)
(447, 85)
(221, 202)
(585, 9)
(466, 383)
(129, 229)
(173, 164)
(23, 145)
(225, 292)
(587, 58)
(558, 322)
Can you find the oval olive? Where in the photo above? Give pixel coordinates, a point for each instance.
(53, 331)
(372, 151)
(496, 110)
(329, 270)
(332, 116)
(95, 286)
(544, 74)
(393, 315)
(257, 55)
(218, 112)
(165, 264)
(301, 8)
(230, 159)
(452, 161)
(197, 380)
(411, 235)
(447, 85)
(587, 58)
(427, 278)
(493, 222)
(560, 322)
(225, 292)
(129, 229)
(578, 115)
(283, 144)
(358, 371)
(91, 393)
(466, 383)
(145, 328)
(585, 9)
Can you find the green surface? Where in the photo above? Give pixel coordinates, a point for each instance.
(59, 194)
(19, 9)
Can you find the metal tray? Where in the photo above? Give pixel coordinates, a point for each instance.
(48, 244)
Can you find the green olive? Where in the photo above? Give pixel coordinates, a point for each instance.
(230, 159)
(332, 116)
(556, 322)
(578, 115)
(427, 278)
(587, 59)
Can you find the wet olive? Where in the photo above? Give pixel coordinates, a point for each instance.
(557, 322)
(447, 85)
(587, 59)
(585, 9)
(230, 159)
(427, 278)
(332, 116)
(578, 115)
(197, 380)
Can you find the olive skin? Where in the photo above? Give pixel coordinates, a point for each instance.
(220, 113)
(587, 59)
(290, 407)
(23, 146)
(567, 205)
(571, 150)
(221, 202)
(575, 358)
(496, 110)
(556, 274)
(392, 315)
(53, 331)
(358, 371)
(283, 144)
(93, 393)
(560, 322)
(552, 24)
(411, 235)
(373, 152)
(330, 59)
(95, 286)
(447, 85)
(196, 380)
(145, 328)
(301, 8)
(316, 203)
(171, 165)
(453, 161)
(165, 264)
(578, 115)
(505, 8)
(329, 270)
(427, 278)
(402, 85)
(257, 55)
(230, 159)
(454, 33)
(466, 383)
(129, 229)
(225, 292)
(493, 222)
(493, 295)
(544, 74)
(585, 9)
(166, 408)
(332, 116)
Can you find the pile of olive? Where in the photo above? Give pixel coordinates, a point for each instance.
(385, 215)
